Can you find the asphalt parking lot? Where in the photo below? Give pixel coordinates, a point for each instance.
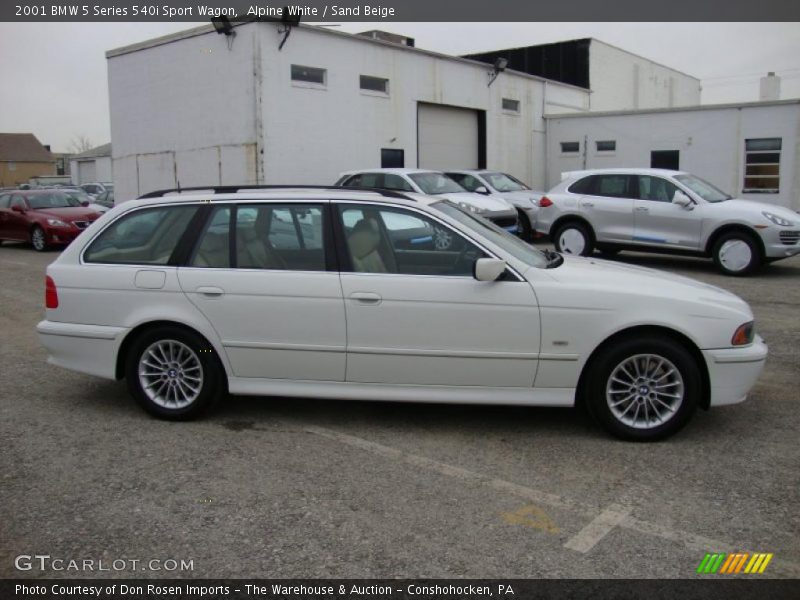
(269, 487)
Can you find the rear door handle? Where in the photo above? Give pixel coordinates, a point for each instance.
(642, 209)
(366, 297)
(589, 204)
(211, 291)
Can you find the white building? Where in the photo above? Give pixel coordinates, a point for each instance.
(748, 150)
(618, 79)
(92, 165)
(198, 108)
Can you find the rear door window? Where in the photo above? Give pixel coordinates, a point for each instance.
(614, 186)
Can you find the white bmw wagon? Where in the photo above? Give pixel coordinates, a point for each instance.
(343, 294)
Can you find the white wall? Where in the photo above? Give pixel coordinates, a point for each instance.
(340, 127)
(621, 80)
(710, 141)
(102, 169)
(183, 112)
(216, 115)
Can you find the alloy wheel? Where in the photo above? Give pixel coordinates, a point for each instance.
(170, 374)
(644, 391)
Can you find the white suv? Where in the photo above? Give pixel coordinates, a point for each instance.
(336, 293)
(434, 183)
(508, 187)
(665, 211)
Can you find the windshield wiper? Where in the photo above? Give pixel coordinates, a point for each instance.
(554, 259)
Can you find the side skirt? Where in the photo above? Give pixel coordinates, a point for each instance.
(338, 390)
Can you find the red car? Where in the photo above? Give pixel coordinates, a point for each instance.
(42, 217)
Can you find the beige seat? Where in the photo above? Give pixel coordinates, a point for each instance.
(252, 252)
(213, 251)
(364, 241)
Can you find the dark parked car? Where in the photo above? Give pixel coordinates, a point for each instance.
(42, 217)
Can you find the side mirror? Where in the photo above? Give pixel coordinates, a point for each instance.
(482, 189)
(488, 269)
(19, 209)
(85, 203)
(681, 199)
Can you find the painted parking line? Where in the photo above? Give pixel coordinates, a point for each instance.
(617, 514)
(598, 528)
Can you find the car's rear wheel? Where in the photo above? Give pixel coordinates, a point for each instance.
(174, 373)
(737, 253)
(574, 238)
(38, 239)
(643, 389)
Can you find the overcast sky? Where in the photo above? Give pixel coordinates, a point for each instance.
(54, 83)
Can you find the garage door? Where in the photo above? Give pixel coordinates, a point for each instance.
(447, 137)
(86, 172)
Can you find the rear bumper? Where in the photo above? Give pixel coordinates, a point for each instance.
(732, 372)
(90, 349)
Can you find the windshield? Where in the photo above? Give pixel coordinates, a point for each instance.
(509, 243)
(435, 183)
(57, 200)
(505, 183)
(702, 188)
(78, 196)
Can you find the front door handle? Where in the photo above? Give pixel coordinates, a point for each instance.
(210, 291)
(366, 297)
(642, 209)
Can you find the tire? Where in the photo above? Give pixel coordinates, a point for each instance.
(737, 253)
(525, 232)
(160, 352)
(621, 393)
(38, 239)
(574, 238)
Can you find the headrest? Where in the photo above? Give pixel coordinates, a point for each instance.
(364, 238)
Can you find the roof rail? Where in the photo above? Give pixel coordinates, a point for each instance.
(233, 189)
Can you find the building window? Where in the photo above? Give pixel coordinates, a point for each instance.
(606, 146)
(510, 105)
(374, 84)
(309, 74)
(665, 159)
(392, 158)
(570, 147)
(762, 165)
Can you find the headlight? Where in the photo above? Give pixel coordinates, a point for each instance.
(744, 334)
(470, 208)
(56, 223)
(778, 220)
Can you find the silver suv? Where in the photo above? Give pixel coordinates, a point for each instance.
(665, 211)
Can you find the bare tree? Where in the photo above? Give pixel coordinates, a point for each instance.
(80, 143)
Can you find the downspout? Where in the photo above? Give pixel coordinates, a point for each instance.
(258, 82)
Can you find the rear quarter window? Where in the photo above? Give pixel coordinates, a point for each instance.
(148, 236)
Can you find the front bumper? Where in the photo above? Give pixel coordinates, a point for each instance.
(90, 349)
(780, 242)
(732, 372)
(505, 219)
(61, 235)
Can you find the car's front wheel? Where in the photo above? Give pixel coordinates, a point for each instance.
(574, 238)
(643, 389)
(737, 253)
(525, 227)
(38, 239)
(174, 373)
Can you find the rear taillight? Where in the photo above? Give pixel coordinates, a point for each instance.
(544, 202)
(50, 293)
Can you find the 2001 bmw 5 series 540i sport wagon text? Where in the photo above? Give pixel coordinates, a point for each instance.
(341, 293)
